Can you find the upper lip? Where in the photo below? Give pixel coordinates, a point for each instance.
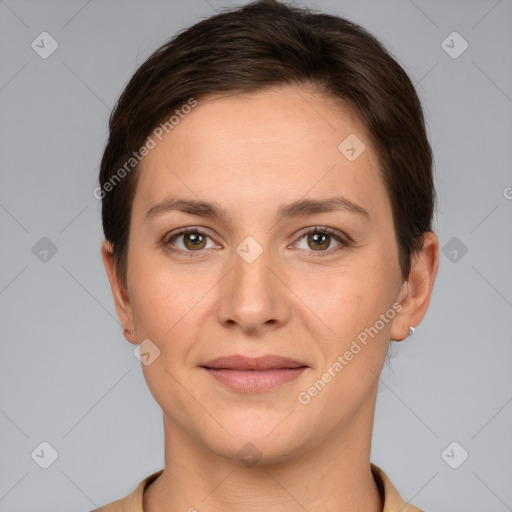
(239, 362)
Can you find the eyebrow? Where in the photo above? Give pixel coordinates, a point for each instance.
(298, 208)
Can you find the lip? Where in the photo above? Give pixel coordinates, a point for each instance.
(254, 375)
(240, 362)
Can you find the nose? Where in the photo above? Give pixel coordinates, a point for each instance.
(253, 296)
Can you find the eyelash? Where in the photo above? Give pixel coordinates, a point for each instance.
(344, 243)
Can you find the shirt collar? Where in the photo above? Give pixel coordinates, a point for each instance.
(393, 502)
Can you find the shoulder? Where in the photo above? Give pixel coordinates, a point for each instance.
(115, 506)
(393, 502)
(132, 502)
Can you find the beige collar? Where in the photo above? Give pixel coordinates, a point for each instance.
(393, 502)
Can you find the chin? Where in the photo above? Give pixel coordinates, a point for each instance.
(258, 439)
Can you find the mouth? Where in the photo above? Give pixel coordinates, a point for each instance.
(240, 362)
(253, 375)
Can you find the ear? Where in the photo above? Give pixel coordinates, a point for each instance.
(415, 292)
(119, 292)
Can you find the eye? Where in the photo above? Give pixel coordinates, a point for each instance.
(194, 240)
(318, 239)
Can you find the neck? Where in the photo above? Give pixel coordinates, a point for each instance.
(334, 475)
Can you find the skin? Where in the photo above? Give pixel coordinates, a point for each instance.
(251, 153)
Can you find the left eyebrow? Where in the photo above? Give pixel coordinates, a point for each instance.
(312, 206)
(298, 208)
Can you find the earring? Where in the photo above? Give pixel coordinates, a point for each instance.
(411, 331)
(128, 331)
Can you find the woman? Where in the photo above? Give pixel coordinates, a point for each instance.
(267, 203)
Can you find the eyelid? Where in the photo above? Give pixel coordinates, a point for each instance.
(342, 236)
(183, 231)
(344, 241)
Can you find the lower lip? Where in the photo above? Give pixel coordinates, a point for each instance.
(254, 381)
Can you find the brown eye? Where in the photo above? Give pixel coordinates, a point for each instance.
(319, 241)
(193, 240)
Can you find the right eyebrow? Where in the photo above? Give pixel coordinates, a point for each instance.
(191, 206)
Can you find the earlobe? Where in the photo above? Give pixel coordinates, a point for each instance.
(119, 292)
(416, 292)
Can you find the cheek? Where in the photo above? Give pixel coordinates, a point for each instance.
(166, 299)
(355, 345)
(351, 304)
(154, 297)
(346, 297)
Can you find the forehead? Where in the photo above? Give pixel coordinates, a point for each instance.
(279, 144)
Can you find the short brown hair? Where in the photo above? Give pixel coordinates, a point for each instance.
(269, 43)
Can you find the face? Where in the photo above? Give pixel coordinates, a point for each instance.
(280, 272)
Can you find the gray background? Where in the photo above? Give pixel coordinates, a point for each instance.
(68, 377)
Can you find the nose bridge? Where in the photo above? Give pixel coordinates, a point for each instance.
(252, 295)
(252, 262)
